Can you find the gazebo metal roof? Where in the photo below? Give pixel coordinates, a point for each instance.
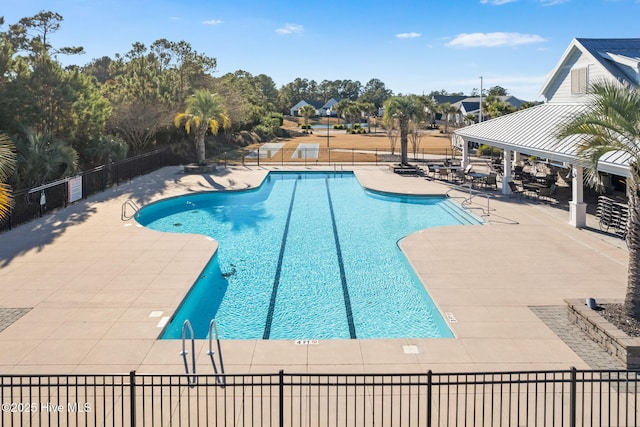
(534, 131)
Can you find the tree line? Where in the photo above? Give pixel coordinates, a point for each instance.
(58, 119)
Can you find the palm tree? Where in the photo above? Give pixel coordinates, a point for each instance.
(612, 123)
(42, 158)
(341, 107)
(7, 165)
(307, 111)
(403, 109)
(205, 112)
(369, 108)
(448, 110)
(106, 149)
(430, 108)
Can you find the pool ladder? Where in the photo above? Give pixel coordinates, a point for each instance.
(186, 327)
(192, 378)
(214, 328)
(126, 207)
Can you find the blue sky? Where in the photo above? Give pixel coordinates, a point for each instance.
(413, 46)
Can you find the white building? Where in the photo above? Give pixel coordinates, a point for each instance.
(533, 131)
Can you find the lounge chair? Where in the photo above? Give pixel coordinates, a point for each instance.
(515, 191)
(548, 192)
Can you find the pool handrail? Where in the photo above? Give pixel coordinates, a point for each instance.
(467, 201)
(213, 327)
(187, 326)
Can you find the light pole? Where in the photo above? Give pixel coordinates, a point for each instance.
(480, 115)
(328, 115)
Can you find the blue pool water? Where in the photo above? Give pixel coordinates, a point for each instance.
(306, 256)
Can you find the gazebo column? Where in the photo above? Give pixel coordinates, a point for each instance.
(506, 176)
(517, 157)
(465, 153)
(577, 207)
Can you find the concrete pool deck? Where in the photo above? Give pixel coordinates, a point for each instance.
(98, 287)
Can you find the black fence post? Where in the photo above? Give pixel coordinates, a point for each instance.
(281, 397)
(258, 157)
(572, 398)
(429, 396)
(132, 397)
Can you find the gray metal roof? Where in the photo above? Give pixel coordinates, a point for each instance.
(533, 131)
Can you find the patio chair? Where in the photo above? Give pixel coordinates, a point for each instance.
(517, 172)
(458, 176)
(443, 173)
(515, 191)
(491, 181)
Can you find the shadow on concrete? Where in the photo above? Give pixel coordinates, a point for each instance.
(37, 234)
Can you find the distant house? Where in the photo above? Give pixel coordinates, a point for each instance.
(318, 105)
(447, 99)
(471, 105)
(533, 131)
(327, 109)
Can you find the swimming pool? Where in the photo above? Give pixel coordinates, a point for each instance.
(306, 256)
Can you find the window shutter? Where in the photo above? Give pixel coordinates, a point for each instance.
(579, 81)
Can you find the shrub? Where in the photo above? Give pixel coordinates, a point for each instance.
(486, 150)
(339, 127)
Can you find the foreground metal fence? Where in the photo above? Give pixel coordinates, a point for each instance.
(35, 202)
(536, 398)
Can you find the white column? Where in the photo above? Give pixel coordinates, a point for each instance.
(516, 158)
(465, 153)
(577, 207)
(506, 176)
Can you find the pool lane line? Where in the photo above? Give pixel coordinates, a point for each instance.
(276, 279)
(343, 276)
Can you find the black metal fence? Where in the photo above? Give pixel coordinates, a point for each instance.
(323, 155)
(35, 202)
(536, 398)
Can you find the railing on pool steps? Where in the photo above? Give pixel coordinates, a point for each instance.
(186, 326)
(132, 206)
(214, 328)
(466, 203)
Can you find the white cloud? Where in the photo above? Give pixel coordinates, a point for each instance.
(493, 39)
(408, 35)
(212, 22)
(496, 2)
(552, 2)
(290, 29)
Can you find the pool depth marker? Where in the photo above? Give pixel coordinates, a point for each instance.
(343, 276)
(276, 279)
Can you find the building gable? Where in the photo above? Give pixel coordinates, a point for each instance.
(587, 61)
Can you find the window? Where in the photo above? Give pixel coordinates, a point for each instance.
(579, 81)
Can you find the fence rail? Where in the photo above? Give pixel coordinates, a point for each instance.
(322, 155)
(536, 398)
